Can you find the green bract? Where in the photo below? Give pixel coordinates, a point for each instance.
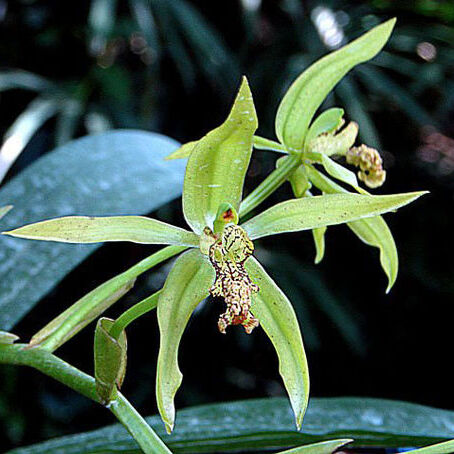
(220, 263)
(109, 359)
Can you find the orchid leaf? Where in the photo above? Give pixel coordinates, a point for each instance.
(217, 166)
(309, 90)
(259, 424)
(83, 229)
(183, 152)
(186, 286)
(117, 172)
(323, 447)
(277, 318)
(319, 211)
(373, 231)
(327, 122)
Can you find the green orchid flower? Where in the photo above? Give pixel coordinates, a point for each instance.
(220, 261)
(311, 145)
(220, 258)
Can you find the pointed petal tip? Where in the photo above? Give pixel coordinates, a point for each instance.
(169, 427)
(299, 421)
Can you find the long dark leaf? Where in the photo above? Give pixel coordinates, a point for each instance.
(260, 423)
(119, 172)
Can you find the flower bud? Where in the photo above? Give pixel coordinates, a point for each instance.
(370, 164)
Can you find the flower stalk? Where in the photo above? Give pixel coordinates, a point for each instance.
(54, 367)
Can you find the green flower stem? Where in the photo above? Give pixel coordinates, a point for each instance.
(87, 310)
(269, 184)
(54, 367)
(144, 435)
(134, 313)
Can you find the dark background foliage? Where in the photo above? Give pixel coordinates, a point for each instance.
(173, 67)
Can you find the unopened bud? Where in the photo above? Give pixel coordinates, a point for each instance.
(370, 164)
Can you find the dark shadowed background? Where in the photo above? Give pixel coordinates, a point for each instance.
(173, 67)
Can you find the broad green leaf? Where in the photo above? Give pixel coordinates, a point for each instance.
(319, 241)
(4, 210)
(217, 166)
(277, 318)
(118, 172)
(440, 448)
(257, 424)
(372, 231)
(328, 121)
(323, 447)
(83, 229)
(183, 152)
(339, 172)
(186, 286)
(260, 143)
(109, 359)
(320, 211)
(309, 90)
(7, 338)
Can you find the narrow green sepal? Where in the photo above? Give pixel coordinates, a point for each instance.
(260, 143)
(217, 166)
(183, 152)
(319, 241)
(308, 91)
(373, 231)
(110, 360)
(187, 284)
(278, 319)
